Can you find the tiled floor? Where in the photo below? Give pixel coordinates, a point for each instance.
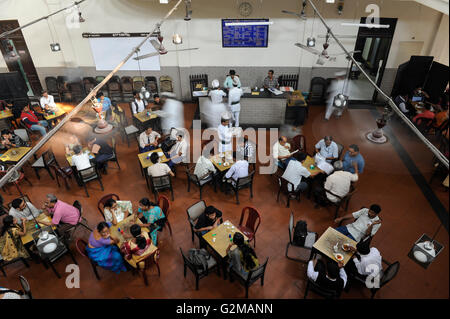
(406, 216)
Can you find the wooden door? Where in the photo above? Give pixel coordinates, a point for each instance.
(22, 61)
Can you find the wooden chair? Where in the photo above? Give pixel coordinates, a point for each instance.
(138, 83)
(4, 263)
(99, 79)
(193, 213)
(165, 83)
(299, 143)
(102, 201)
(342, 200)
(87, 175)
(15, 180)
(76, 88)
(152, 258)
(88, 84)
(241, 183)
(26, 287)
(325, 293)
(63, 88)
(198, 272)
(251, 277)
(310, 239)
(192, 178)
(81, 245)
(65, 173)
(114, 157)
(126, 83)
(114, 88)
(82, 222)
(251, 225)
(164, 204)
(44, 162)
(52, 87)
(151, 84)
(160, 183)
(285, 185)
(317, 91)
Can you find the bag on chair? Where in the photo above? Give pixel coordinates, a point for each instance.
(300, 233)
(199, 257)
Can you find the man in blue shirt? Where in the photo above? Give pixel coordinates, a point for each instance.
(106, 102)
(353, 160)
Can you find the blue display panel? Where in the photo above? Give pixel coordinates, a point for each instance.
(256, 36)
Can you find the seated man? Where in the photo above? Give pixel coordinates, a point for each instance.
(337, 183)
(245, 150)
(366, 260)
(22, 209)
(31, 121)
(270, 81)
(353, 160)
(427, 114)
(419, 95)
(105, 101)
(80, 159)
(208, 220)
(102, 151)
(366, 224)
(156, 105)
(10, 140)
(116, 211)
(158, 169)
(328, 149)
(138, 105)
(48, 102)
(402, 102)
(331, 276)
(236, 171)
(179, 152)
(148, 140)
(204, 167)
(294, 173)
(281, 152)
(63, 215)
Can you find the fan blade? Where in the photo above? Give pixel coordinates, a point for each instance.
(351, 52)
(185, 49)
(155, 44)
(142, 57)
(293, 13)
(311, 50)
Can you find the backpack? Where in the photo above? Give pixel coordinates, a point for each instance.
(167, 144)
(300, 233)
(199, 257)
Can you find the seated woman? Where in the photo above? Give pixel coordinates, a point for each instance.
(116, 211)
(103, 250)
(137, 248)
(243, 258)
(115, 114)
(72, 142)
(208, 220)
(152, 216)
(11, 246)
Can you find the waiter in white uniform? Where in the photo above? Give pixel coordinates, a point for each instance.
(336, 87)
(225, 134)
(234, 101)
(212, 112)
(174, 113)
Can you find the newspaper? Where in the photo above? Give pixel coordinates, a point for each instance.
(322, 163)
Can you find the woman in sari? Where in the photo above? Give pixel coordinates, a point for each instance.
(153, 217)
(103, 250)
(11, 246)
(137, 248)
(114, 114)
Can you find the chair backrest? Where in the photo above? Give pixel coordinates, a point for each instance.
(49, 157)
(52, 84)
(88, 174)
(164, 204)
(188, 263)
(161, 182)
(291, 227)
(22, 133)
(340, 149)
(127, 84)
(299, 142)
(244, 181)
(165, 83)
(389, 273)
(81, 245)
(102, 201)
(25, 286)
(99, 79)
(195, 211)
(254, 275)
(289, 80)
(253, 218)
(285, 185)
(326, 293)
(151, 83)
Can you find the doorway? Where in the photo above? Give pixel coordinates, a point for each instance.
(374, 45)
(18, 58)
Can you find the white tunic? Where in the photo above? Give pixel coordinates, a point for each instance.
(225, 135)
(235, 96)
(174, 115)
(50, 101)
(217, 96)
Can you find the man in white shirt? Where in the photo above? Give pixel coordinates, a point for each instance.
(138, 105)
(366, 224)
(328, 149)
(148, 140)
(294, 173)
(158, 169)
(281, 152)
(366, 260)
(179, 152)
(234, 101)
(48, 102)
(204, 167)
(80, 159)
(330, 277)
(225, 135)
(216, 93)
(236, 171)
(21, 209)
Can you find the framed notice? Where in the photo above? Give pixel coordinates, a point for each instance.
(247, 36)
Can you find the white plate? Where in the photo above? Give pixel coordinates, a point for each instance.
(339, 259)
(160, 154)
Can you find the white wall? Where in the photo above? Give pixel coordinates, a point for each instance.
(416, 23)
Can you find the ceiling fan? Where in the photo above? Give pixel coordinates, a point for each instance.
(301, 15)
(161, 50)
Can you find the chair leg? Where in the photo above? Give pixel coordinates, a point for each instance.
(337, 211)
(288, 200)
(189, 185)
(237, 196)
(170, 228)
(144, 274)
(24, 261)
(278, 195)
(67, 183)
(36, 170)
(57, 181)
(200, 192)
(85, 189)
(54, 270)
(246, 291)
(117, 161)
(171, 191)
(3, 270)
(101, 184)
(251, 190)
(196, 282)
(18, 188)
(27, 180)
(49, 172)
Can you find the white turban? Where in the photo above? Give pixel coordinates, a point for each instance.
(215, 84)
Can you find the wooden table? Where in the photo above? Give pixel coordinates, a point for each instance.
(31, 228)
(327, 241)
(14, 158)
(69, 156)
(145, 162)
(52, 117)
(222, 239)
(221, 167)
(5, 114)
(125, 226)
(142, 118)
(307, 164)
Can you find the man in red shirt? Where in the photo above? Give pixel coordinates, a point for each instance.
(30, 119)
(426, 114)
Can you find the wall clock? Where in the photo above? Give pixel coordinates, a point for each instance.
(245, 9)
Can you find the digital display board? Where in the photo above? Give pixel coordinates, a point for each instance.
(248, 36)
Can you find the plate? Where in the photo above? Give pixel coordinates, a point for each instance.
(339, 257)
(343, 247)
(160, 154)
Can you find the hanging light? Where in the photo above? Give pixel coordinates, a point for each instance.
(188, 10)
(311, 42)
(145, 95)
(80, 18)
(177, 39)
(55, 47)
